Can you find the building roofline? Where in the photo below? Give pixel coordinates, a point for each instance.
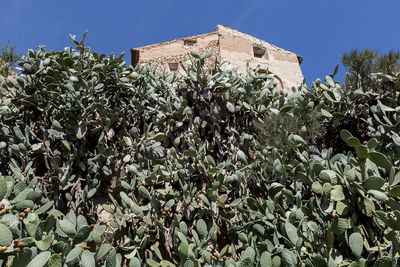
(170, 41)
(223, 27)
(248, 36)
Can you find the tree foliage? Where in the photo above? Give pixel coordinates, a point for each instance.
(8, 59)
(361, 65)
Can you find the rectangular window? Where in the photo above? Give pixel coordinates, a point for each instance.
(173, 67)
(190, 42)
(258, 51)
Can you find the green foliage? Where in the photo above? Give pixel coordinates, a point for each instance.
(8, 59)
(276, 127)
(343, 199)
(362, 65)
(108, 165)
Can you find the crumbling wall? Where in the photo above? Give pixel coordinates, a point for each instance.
(228, 45)
(178, 51)
(239, 49)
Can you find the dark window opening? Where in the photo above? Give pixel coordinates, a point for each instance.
(258, 51)
(134, 57)
(190, 42)
(173, 67)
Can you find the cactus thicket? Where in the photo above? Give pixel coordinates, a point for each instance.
(104, 164)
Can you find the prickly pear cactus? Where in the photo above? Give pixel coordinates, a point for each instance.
(108, 165)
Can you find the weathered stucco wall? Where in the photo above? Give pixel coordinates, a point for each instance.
(231, 46)
(177, 51)
(237, 48)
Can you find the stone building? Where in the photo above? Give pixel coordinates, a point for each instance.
(230, 46)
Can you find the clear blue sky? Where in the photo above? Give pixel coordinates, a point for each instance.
(319, 30)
